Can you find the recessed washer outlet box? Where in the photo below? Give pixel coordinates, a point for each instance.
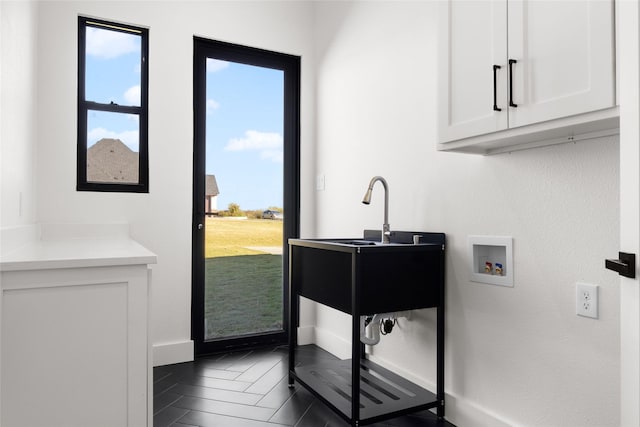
(486, 255)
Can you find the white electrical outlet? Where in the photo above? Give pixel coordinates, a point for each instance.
(587, 300)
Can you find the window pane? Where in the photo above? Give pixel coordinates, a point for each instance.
(113, 64)
(112, 147)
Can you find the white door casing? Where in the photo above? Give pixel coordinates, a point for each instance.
(629, 59)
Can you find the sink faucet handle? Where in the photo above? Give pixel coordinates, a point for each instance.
(386, 233)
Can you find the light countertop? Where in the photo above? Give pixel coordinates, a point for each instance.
(41, 254)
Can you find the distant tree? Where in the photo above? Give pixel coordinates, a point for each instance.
(276, 208)
(254, 214)
(234, 209)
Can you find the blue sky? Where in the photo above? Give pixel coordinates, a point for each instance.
(112, 74)
(244, 133)
(244, 142)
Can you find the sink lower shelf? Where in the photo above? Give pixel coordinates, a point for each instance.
(383, 394)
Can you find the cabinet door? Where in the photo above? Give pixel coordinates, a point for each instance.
(472, 39)
(565, 58)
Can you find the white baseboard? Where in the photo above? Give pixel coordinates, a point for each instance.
(459, 411)
(464, 413)
(170, 353)
(334, 344)
(306, 335)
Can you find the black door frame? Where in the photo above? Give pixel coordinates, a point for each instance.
(290, 64)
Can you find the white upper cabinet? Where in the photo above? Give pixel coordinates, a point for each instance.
(514, 72)
(473, 40)
(565, 58)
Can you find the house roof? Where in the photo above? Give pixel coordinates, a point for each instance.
(110, 160)
(211, 186)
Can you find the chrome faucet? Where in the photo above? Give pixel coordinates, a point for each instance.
(386, 230)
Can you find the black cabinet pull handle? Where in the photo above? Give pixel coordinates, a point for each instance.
(511, 62)
(625, 265)
(495, 96)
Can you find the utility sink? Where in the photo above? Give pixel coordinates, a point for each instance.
(380, 278)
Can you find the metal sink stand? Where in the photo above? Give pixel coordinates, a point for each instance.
(358, 390)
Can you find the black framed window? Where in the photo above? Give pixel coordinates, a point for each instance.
(113, 74)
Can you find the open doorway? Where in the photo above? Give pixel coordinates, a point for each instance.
(245, 193)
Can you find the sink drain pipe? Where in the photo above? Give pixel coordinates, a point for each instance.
(374, 325)
(375, 330)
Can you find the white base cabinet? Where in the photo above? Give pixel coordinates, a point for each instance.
(74, 340)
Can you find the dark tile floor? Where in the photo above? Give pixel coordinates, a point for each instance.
(249, 389)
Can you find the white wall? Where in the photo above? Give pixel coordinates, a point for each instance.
(18, 112)
(518, 356)
(160, 220)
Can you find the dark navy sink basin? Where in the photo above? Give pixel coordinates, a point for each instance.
(373, 237)
(349, 242)
(384, 277)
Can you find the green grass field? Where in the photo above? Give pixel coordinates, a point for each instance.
(225, 237)
(243, 287)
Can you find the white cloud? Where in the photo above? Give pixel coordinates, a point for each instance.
(131, 138)
(214, 65)
(273, 155)
(255, 140)
(132, 95)
(108, 44)
(212, 105)
(268, 143)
